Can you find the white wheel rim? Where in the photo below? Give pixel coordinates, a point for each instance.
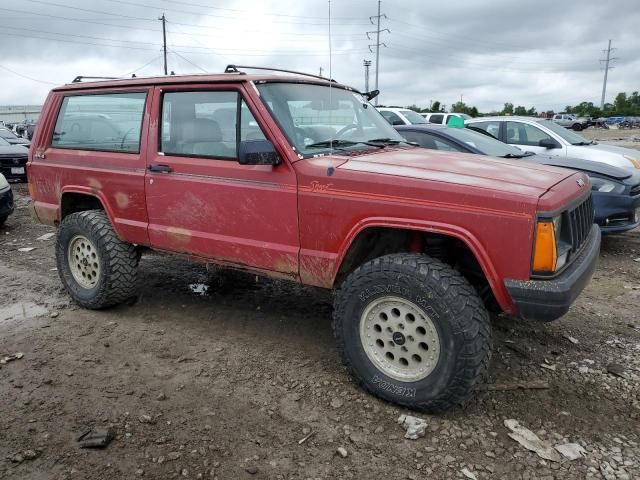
(84, 261)
(399, 338)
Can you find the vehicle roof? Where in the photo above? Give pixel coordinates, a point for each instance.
(507, 117)
(203, 78)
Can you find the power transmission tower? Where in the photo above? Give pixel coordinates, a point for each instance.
(377, 31)
(164, 40)
(607, 67)
(367, 64)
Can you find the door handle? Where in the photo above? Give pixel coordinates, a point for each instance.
(160, 168)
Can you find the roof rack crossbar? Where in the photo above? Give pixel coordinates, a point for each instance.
(234, 69)
(80, 78)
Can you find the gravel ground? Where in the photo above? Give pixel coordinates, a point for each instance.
(228, 383)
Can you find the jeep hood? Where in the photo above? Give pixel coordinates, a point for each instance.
(490, 173)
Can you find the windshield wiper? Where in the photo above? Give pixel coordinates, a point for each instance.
(582, 143)
(390, 141)
(342, 143)
(512, 155)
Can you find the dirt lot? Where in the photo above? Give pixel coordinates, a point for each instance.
(225, 385)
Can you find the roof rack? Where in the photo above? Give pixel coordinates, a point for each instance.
(234, 69)
(80, 78)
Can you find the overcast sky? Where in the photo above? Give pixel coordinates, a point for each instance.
(536, 53)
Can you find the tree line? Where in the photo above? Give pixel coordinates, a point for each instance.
(624, 104)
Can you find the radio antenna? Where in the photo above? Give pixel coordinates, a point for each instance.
(330, 76)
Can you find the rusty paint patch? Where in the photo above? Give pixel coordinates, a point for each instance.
(95, 185)
(179, 235)
(122, 200)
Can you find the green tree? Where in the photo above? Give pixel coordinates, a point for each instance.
(508, 109)
(520, 110)
(532, 112)
(435, 106)
(415, 108)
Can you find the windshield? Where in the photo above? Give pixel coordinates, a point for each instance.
(4, 133)
(486, 144)
(317, 121)
(413, 117)
(568, 135)
(3, 142)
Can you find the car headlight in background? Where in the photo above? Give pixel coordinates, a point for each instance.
(3, 182)
(604, 185)
(634, 161)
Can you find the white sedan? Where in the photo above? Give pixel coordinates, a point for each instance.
(544, 136)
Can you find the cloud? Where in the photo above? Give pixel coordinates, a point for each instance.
(544, 53)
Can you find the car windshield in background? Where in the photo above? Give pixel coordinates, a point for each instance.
(413, 117)
(4, 143)
(486, 144)
(568, 135)
(317, 119)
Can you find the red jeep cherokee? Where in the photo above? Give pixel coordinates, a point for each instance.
(301, 178)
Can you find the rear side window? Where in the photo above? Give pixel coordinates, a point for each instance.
(391, 117)
(204, 124)
(437, 118)
(492, 128)
(106, 122)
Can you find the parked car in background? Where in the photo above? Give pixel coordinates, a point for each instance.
(443, 118)
(6, 200)
(12, 138)
(401, 116)
(544, 136)
(302, 179)
(31, 128)
(13, 160)
(616, 191)
(571, 121)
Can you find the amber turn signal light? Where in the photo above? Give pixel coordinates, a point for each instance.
(545, 254)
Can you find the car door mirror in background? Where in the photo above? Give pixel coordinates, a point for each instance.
(397, 122)
(549, 143)
(257, 152)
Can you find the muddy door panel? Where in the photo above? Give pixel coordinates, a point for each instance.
(201, 200)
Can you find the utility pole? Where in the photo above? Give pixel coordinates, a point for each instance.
(367, 64)
(164, 40)
(377, 31)
(606, 72)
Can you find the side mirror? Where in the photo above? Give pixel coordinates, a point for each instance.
(548, 143)
(258, 152)
(397, 122)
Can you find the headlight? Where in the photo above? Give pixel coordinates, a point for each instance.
(599, 184)
(633, 161)
(3, 182)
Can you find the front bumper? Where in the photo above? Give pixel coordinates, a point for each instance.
(6, 202)
(616, 213)
(547, 300)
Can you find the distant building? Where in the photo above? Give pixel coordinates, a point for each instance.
(19, 113)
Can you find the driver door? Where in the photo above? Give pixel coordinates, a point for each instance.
(200, 200)
(527, 138)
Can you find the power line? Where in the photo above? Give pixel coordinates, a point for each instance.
(189, 61)
(607, 67)
(26, 76)
(377, 31)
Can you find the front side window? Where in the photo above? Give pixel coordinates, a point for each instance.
(525, 134)
(432, 142)
(106, 122)
(413, 117)
(204, 124)
(436, 118)
(392, 117)
(317, 119)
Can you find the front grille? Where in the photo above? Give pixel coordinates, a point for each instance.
(580, 223)
(13, 161)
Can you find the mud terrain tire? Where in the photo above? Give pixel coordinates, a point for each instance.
(437, 307)
(3, 218)
(102, 271)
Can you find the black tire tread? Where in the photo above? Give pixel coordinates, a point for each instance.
(472, 319)
(120, 259)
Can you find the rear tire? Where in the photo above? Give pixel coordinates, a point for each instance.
(97, 268)
(3, 219)
(413, 331)
(577, 127)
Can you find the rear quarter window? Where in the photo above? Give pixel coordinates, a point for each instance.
(105, 122)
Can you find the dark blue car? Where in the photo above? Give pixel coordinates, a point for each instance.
(616, 192)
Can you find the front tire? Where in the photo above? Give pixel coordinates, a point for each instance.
(412, 331)
(577, 127)
(97, 268)
(3, 218)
